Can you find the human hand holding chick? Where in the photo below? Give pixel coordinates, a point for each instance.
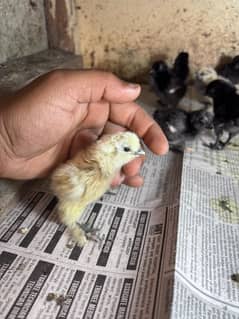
(46, 122)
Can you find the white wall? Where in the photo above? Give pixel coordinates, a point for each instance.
(127, 35)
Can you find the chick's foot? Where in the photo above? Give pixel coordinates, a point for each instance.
(90, 232)
(216, 146)
(79, 236)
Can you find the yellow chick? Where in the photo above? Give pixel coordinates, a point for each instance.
(87, 176)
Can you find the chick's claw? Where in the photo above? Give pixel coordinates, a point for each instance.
(90, 232)
(79, 236)
(217, 146)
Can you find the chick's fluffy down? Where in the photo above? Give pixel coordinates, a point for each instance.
(87, 176)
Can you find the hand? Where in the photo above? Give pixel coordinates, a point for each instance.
(46, 122)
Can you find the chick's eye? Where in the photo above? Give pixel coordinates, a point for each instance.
(126, 149)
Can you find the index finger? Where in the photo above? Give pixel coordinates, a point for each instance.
(134, 118)
(93, 86)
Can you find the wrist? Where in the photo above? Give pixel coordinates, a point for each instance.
(4, 160)
(5, 157)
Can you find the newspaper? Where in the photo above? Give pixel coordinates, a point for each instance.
(168, 249)
(207, 255)
(120, 276)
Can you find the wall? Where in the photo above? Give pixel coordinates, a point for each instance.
(61, 24)
(22, 28)
(127, 35)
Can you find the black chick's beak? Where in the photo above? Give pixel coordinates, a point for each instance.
(209, 126)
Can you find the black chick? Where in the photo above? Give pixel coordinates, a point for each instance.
(230, 70)
(170, 83)
(226, 111)
(180, 67)
(160, 78)
(180, 126)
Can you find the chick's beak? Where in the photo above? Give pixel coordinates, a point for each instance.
(139, 152)
(210, 126)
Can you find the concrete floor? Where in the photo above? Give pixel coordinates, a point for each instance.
(17, 72)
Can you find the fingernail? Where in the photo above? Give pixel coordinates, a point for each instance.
(119, 180)
(133, 86)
